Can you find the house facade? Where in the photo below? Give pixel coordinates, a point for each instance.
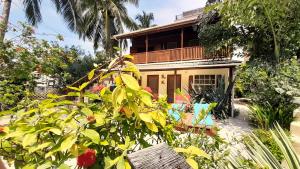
(170, 57)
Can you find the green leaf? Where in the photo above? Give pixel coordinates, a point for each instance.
(128, 56)
(92, 134)
(121, 163)
(73, 88)
(192, 163)
(110, 163)
(84, 85)
(91, 74)
(45, 165)
(68, 143)
(146, 117)
(39, 147)
(29, 139)
(87, 111)
(64, 166)
(152, 127)
(29, 166)
(197, 151)
(55, 131)
(130, 82)
(146, 98)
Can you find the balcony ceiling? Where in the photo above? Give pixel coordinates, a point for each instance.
(189, 64)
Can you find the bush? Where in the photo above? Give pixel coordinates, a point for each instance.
(265, 137)
(271, 89)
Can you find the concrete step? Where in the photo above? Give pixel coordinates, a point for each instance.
(295, 128)
(296, 143)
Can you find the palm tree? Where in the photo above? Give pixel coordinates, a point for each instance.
(100, 20)
(145, 20)
(68, 8)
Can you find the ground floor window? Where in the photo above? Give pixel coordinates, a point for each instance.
(204, 82)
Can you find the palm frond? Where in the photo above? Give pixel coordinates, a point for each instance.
(32, 11)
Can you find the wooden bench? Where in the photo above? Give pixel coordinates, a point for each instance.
(160, 156)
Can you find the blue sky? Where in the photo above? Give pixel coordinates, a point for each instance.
(164, 12)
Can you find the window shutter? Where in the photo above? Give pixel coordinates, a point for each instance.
(191, 80)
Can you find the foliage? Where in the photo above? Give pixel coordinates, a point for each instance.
(217, 95)
(265, 116)
(265, 137)
(10, 94)
(262, 156)
(144, 20)
(49, 132)
(215, 147)
(24, 55)
(271, 89)
(100, 20)
(266, 29)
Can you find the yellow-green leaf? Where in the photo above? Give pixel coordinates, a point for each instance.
(45, 165)
(91, 74)
(192, 163)
(128, 56)
(68, 143)
(197, 151)
(55, 131)
(127, 165)
(84, 85)
(152, 127)
(87, 111)
(121, 163)
(146, 98)
(93, 135)
(146, 117)
(64, 166)
(29, 139)
(130, 82)
(73, 88)
(39, 147)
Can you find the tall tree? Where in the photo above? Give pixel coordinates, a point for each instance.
(67, 8)
(4, 18)
(100, 20)
(145, 20)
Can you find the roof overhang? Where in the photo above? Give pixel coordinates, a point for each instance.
(191, 64)
(178, 24)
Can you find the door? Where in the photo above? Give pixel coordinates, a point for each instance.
(153, 83)
(171, 87)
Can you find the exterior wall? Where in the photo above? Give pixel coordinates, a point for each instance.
(184, 77)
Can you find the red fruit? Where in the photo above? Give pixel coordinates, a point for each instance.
(87, 159)
(91, 119)
(122, 110)
(97, 88)
(148, 89)
(1, 130)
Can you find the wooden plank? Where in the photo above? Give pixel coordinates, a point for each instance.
(160, 156)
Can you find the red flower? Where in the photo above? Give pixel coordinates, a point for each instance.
(148, 89)
(97, 88)
(91, 119)
(87, 159)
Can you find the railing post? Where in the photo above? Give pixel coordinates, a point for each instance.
(147, 48)
(181, 50)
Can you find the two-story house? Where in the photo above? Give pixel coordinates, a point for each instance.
(170, 57)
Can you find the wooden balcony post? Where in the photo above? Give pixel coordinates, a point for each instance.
(147, 43)
(181, 46)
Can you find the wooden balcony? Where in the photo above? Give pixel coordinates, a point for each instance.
(178, 54)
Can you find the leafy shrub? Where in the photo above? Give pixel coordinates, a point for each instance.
(265, 116)
(271, 89)
(50, 132)
(265, 137)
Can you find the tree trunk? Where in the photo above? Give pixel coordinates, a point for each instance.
(4, 19)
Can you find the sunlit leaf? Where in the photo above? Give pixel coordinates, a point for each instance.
(91, 74)
(130, 82)
(152, 127)
(68, 143)
(192, 163)
(92, 134)
(29, 139)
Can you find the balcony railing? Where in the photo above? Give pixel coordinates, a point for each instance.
(178, 54)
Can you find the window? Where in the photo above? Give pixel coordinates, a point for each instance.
(203, 82)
